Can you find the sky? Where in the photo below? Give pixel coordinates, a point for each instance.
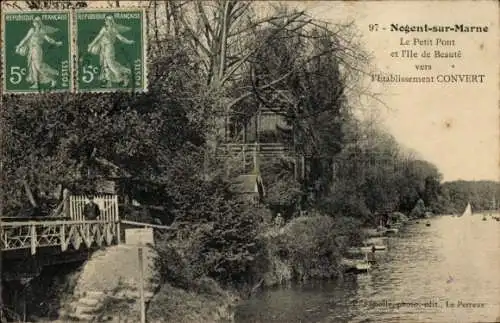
(454, 126)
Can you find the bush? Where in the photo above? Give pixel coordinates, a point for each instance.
(309, 248)
(226, 249)
(232, 251)
(178, 262)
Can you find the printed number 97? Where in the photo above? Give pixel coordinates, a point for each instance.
(16, 74)
(89, 72)
(373, 27)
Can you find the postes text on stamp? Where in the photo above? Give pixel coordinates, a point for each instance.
(110, 50)
(37, 52)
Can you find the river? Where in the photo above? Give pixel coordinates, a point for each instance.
(447, 272)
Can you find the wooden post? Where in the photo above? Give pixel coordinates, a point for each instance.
(117, 220)
(118, 233)
(66, 203)
(141, 285)
(64, 246)
(71, 207)
(33, 239)
(88, 236)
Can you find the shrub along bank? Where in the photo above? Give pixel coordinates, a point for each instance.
(308, 247)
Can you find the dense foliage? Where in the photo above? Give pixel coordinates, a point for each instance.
(313, 246)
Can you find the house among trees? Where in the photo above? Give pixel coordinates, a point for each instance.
(262, 132)
(251, 139)
(263, 126)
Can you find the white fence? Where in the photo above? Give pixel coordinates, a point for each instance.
(108, 206)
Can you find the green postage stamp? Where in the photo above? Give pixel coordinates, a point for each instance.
(37, 52)
(111, 50)
(109, 45)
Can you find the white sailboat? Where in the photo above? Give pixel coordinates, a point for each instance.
(467, 211)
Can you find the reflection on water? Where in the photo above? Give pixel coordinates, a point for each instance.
(448, 272)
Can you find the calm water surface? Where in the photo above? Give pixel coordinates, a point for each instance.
(438, 269)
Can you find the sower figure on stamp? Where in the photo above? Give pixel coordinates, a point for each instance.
(91, 209)
(104, 46)
(31, 47)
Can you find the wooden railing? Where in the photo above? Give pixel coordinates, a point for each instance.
(263, 149)
(64, 234)
(244, 153)
(74, 232)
